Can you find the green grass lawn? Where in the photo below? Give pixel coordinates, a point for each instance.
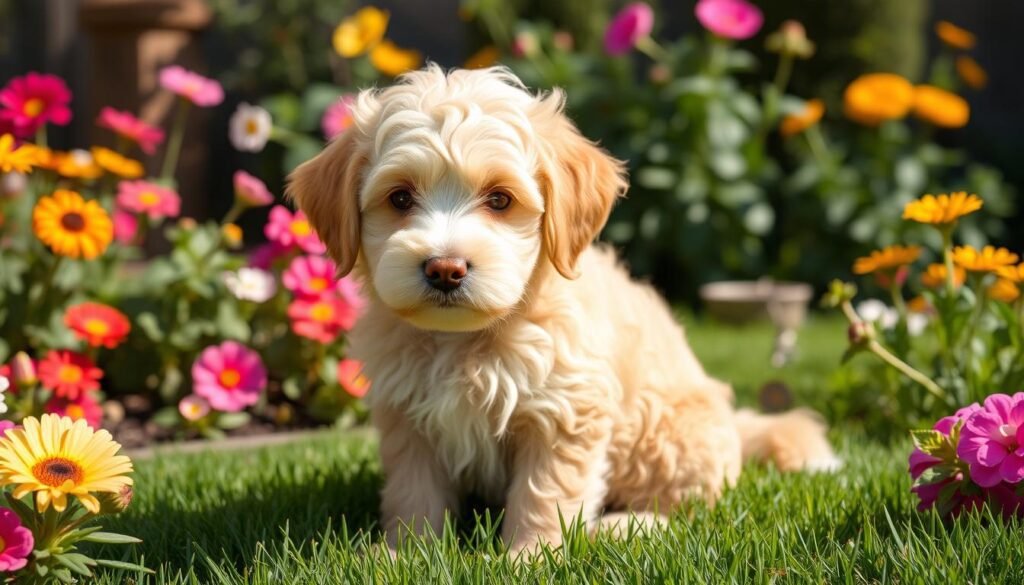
(305, 513)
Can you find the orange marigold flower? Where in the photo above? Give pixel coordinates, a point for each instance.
(77, 164)
(16, 158)
(971, 72)
(72, 226)
(934, 276)
(487, 56)
(919, 304)
(1004, 290)
(390, 59)
(98, 324)
(888, 258)
(116, 164)
(809, 116)
(940, 107)
(942, 210)
(876, 97)
(954, 36)
(1013, 273)
(360, 32)
(988, 259)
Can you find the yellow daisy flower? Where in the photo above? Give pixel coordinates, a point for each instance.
(360, 32)
(954, 36)
(116, 164)
(934, 276)
(971, 73)
(1013, 273)
(888, 258)
(797, 123)
(77, 164)
(19, 159)
(988, 259)
(942, 210)
(392, 60)
(1004, 290)
(486, 57)
(56, 457)
(72, 226)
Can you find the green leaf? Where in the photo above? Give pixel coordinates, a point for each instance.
(291, 388)
(301, 149)
(167, 417)
(315, 101)
(230, 323)
(150, 326)
(77, 562)
(111, 538)
(232, 420)
(929, 441)
(124, 566)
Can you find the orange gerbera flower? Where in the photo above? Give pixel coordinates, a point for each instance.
(1004, 290)
(98, 324)
(116, 164)
(392, 60)
(1013, 273)
(797, 123)
(886, 259)
(16, 158)
(876, 97)
(954, 36)
(77, 164)
(988, 259)
(487, 56)
(940, 107)
(72, 226)
(971, 72)
(934, 276)
(942, 210)
(69, 374)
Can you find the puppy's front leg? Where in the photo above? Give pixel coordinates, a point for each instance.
(566, 475)
(417, 492)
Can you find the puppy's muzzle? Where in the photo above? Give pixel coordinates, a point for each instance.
(445, 273)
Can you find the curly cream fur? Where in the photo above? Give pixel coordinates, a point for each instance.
(552, 384)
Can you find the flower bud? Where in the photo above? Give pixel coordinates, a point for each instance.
(23, 370)
(659, 74)
(861, 332)
(232, 235)
(115, 503)
(187, 223)
(563, 41)
(525, 44)
(791, 39)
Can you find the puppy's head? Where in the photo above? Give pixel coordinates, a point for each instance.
(450, 189)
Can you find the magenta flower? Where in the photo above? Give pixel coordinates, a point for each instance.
(149, 198)
(266, 254)
(126, 226)
(32, 100)
(309, 277)
(631, 24)
(6, 425)
(921, 462)
(338, 117)
(16, 542)
(229, 376)
(126, 125)
(730, 19)
(350, 292)
(250, 191)
(289, 230)
(201, 91)
(193, 407)
(992, 441)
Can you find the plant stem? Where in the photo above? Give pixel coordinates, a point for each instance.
(906, 369)
(783, 73)
(652, 49)
(175, 141)
(41, 136)
(947, 257)
(236, 210)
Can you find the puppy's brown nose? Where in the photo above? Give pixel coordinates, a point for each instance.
(445, 274)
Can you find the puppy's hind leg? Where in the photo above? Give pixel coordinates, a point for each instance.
(793, 440)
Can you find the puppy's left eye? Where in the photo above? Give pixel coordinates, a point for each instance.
(498, 201)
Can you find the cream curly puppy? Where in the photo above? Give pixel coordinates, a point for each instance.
(510, 358)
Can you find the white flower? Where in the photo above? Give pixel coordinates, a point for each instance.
(917, 323)
(251, 284)
(872, 310)
(887, 317)
(4, 385)
(250, 128)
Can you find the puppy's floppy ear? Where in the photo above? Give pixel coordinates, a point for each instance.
(326, 188)
(579, 181)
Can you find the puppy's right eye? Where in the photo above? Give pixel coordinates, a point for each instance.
(401, 200)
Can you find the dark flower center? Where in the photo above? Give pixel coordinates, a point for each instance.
(54, 471)
(73, 221)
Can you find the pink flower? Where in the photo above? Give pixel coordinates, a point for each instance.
(266, 254)
(351, 378)
(16, 542)
(992, 441)
(128, 126)
(6, 425)
(289, 230)
(338, 117)
(193, 407)
(631, 24)
(201, 91)
(32, 100)
(321, 319)
(85, 407)
(351, 293)
(921, 462)
(149, 198)
(230, 376)
(251, 191)
(309, 277)
(731, 19)
(126, 226)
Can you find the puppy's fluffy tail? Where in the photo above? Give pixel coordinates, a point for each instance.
(793, 440)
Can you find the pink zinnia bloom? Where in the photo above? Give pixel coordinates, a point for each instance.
(338, 117)
(321, 319)
(266, 254)
(309, 277)
(128, 126)
(229, 376)
(251, 191)
(16, 542)
(6, 425)
(992, 441)
(193, 407)
(290, 230)
(201, 91)
(85, 407)
(32, 100)
(631, 24)
(149, 198)
(351, 378)
(920, 462)
(350, 291)
(126, 226)
(731, 19)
